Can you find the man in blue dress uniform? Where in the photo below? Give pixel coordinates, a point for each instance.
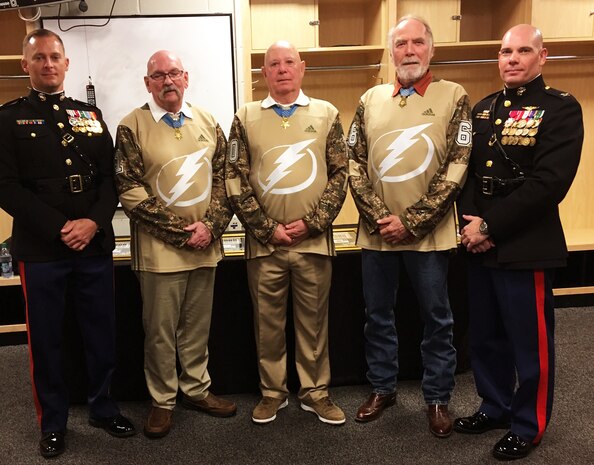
(526, 150)
(56, 181)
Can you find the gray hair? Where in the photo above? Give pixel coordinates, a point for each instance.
(423, 21)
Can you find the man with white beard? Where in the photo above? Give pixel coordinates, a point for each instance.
(410, 142)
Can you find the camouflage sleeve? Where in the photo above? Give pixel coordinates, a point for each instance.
(371, 207)
(140, 204)
(320, 219)
(423, 216)
(219, 211)
(239, 190)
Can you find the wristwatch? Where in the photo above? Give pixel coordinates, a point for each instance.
(484, 228)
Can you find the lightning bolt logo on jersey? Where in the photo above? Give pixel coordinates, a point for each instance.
(293, 158)
(185, 181)
(402, 154)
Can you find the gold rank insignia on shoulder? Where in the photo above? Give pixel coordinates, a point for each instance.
(483, 114)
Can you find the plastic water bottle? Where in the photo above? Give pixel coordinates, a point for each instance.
(6, 261)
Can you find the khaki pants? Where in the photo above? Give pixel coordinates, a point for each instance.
(269, 279)
(176, 316)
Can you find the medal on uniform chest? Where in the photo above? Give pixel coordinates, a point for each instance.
(285, 113)
(176, 122)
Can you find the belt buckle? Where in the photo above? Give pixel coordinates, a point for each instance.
(76, 183)
(487, 185)
(67, 138)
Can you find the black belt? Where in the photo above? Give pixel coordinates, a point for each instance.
(492, 185)
(74, 183)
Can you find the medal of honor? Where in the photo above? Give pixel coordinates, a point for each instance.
(285, 114)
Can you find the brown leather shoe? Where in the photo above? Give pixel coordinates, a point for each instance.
(211, 404)
(158, 423)
(374, 406)
(440, 423)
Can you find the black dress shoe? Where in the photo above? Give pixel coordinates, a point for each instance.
(373, 407)
(118, 426)
(52, 444)
(511, 447)
(477, 424)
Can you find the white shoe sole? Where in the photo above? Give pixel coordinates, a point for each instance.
(307, 408)
(262, 421)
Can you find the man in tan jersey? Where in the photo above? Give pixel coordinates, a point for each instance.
(169, 173)
(286, 180)
(410, 146)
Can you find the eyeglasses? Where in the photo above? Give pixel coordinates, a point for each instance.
(174, 75)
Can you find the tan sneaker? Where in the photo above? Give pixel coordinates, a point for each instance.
(158, 422)
(265, 411)
(326, 410)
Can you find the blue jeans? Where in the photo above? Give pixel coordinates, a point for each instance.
(428, 274)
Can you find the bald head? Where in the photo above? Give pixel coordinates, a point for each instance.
(280, 46)
(521, 56)
(160, 57)
(283, 71)
(166, 80)
(527, 32)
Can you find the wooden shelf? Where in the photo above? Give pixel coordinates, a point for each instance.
(579, 239)
(18, 328)
(14, 281)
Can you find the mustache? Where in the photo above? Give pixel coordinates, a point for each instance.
(170, 88)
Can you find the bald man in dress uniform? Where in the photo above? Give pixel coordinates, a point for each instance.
(526, 150)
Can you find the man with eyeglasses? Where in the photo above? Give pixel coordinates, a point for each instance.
(169, 173)
(526, 150)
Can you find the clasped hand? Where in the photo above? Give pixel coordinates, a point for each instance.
(77, 234)
(290, 234)
(201, 236)
(472, 238)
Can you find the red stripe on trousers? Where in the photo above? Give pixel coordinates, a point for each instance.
(543, 354)
(31, 362)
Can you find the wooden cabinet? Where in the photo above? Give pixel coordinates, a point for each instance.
(317, 23)
(467, 20)
(577, 21)
(295, 21)
(12, 33)
(13, 83)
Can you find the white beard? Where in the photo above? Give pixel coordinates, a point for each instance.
(407, 73)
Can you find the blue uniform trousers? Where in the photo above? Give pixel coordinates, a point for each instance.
(512, 332)
(91, 286)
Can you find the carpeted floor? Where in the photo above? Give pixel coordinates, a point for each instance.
(400, 436)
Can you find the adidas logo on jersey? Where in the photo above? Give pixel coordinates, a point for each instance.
(202, 139)
(428, 112)
(310, 128)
